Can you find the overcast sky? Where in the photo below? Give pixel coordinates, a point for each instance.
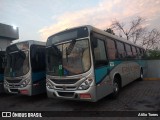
(38, 19)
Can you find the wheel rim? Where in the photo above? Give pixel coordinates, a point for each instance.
(141, 75)
(116, 87)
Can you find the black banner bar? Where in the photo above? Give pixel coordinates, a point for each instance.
(80, 113)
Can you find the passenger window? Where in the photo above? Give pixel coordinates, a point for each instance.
(134, 52)
(100, 53)
(121, 50)
(128, 50)
(138, 52)
(111, 49)
(141, 52)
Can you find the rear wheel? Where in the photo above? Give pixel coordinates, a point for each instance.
(116, 88)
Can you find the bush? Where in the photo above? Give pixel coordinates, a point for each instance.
(153, 54)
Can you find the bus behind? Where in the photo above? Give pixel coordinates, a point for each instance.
(25, 70)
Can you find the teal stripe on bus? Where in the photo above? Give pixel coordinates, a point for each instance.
(36, 76)
(100, 73)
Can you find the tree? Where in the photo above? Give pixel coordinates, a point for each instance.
(151, 39)
(135, 32)
(109, 30)
(129, 31)
(153, 54)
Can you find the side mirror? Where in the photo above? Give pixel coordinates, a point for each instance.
(56, 51)
(22, 54)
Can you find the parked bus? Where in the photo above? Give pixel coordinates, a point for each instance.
(85, 63)
(2, 63)
(25, 69)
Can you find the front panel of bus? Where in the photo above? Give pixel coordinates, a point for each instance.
(17, 75)
(70, 70)
(25, 69)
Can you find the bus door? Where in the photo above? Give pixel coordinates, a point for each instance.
(101, 69)
(38, 69)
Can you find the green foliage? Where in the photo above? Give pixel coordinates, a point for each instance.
(153, 54)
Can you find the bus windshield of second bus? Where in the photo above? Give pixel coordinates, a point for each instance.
(69, 57)
(25, 69)
(17, 60)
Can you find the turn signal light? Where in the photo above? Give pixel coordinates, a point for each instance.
(85, 96)
(24, 91)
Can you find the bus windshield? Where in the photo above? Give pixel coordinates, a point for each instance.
(17, 64)
(17, 60)
(69, 58)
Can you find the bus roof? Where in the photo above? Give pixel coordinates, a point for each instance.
(103, 33)
(112, 36)
(31, 41)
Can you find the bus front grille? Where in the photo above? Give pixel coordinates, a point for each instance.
(65, 88)
(13, 81)
(64, 81)
(14, 90)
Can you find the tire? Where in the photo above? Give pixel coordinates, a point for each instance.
(116, 88)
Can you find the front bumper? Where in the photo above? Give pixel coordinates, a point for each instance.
(16, 90)
(73, 95)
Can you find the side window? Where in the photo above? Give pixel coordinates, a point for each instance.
(111, 49)
(138, 51)
(141, 52)
(128, 50)
(134, 51)
(100, 53)
(121, 50)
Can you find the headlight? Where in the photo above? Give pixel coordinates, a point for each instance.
(25, 82)
(49, 84)
(5, 84)
(86, 84)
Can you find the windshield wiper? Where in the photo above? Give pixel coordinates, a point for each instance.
(70, 48)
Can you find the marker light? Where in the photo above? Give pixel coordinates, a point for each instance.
(85, 96)
(24, 91)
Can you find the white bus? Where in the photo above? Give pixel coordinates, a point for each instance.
(85, 63)
(25, 69)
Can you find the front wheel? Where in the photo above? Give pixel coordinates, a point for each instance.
(116, 88)
(141, 75)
